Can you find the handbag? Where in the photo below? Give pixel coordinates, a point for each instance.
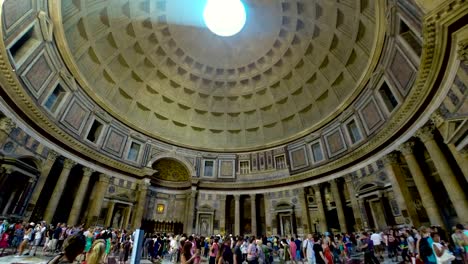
(446, 257)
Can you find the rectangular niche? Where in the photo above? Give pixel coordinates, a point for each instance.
(25, 44)
(55, 99)
(388, 97)
(316, 149)
(244, 167)
(134, 150)
(208, 168)
(410, 37)
(95, 131)
(353, 131)
(280, 162)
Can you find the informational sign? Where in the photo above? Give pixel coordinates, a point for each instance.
(137, 246)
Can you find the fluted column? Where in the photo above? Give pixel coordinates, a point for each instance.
(339, 205)
(427, 198)
(6, 126)
(110, 212)
(454, 190)
(253, 214)
(45, 171)
(95, 205)
(237, 214)
(79, 197)
(321, 210)
(222, 213)
(354, 202)
(58, 190)
(400, 187)
(143, 188)
(365, 217)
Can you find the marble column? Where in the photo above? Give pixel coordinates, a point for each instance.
(461, 160)
(191, 211)
(321, 210)
(222, 214)
(95, 205)
(58, 190)
(6, 126)
(253, 214)
(236, 215)
(79, 197)
(126, 221)
(427, 199)
(354, 202)
(110, 212)
(450, 182)
(365, 217)
(143, 191)
(304, 211)
(268, 214)
(23, 200)
(400, 187)
(45, 171)
(339, 205)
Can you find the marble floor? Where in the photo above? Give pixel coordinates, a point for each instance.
(39, 259)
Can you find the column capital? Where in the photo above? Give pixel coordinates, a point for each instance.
(104, 178)
(391, 158)
(407, 148)
(7, 124)
(222, 197)
(68, 164)
(426, 133)
(237, 197)
(437, 118)
(52, 155)
(252, 196)
(144, 184)
(348, 177)
(87, 171)
(463, 51)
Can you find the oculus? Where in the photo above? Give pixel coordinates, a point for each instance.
(224, 17)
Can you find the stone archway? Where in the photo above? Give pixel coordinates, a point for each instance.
(173, 156)
(172, 170)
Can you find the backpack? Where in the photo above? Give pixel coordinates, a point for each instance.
(424, 248)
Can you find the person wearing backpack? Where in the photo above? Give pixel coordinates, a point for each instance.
(424, 247)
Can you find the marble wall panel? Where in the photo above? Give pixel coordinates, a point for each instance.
(335, 142)
(298, 158)
(226, 169)
(75, 116)
(17, 9)
(114, 142)
(371, 116)
(402, 72)
(38, 74)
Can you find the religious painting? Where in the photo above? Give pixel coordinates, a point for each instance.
(160, 208)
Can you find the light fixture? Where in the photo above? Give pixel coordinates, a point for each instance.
(160, 208)
(224, 17)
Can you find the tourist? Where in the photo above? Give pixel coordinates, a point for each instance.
(72, 247)
(368, 247)
(238, 258)
(460, 242)
(424, 246)
(26, 238)
(442, 254)
(318, 251)
(308, 249)
(378, 244)
(97, 253)
(186, 256)
(214, 250)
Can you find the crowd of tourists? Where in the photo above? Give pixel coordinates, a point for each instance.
(68, 244)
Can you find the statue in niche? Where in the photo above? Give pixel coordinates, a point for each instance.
(287, 227)
(204, 227)
(116, 220)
